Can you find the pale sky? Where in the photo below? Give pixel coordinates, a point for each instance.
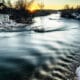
(60, 1)
(57, 4)
(50, 4)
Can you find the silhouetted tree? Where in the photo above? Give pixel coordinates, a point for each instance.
(41, 5)
(66, 7)
(21, 14)
(78, 7)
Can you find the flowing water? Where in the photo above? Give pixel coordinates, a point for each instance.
(21, 52)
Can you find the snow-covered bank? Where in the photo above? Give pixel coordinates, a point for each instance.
(71, 16)
(71, 13)
(9, 25)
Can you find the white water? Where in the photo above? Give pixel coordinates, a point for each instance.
(21, 52)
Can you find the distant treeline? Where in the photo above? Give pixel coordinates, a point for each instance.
(70, 12)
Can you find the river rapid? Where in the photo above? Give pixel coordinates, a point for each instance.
(22, 52)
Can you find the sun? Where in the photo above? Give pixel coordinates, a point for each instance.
(33, 8)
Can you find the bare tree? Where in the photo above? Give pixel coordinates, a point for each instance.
(9, 3)
(66, 7)
(41, 5)
(78, 7)
(24, 4)
(29, 3)
(18, 3)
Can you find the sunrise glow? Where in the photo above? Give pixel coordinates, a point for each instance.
(48, 4)
(53, 7)
(33, 7)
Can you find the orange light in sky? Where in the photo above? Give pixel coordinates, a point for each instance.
(35, 6)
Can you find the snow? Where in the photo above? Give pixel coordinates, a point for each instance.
(9, 25)
(78, 73)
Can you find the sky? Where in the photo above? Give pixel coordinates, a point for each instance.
(49, 4)
(58, 4)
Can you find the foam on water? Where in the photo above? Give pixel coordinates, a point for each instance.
(22, 52)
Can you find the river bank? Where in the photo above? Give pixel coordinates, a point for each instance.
(71, 13)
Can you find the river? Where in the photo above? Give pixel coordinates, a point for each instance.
(22, 52)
